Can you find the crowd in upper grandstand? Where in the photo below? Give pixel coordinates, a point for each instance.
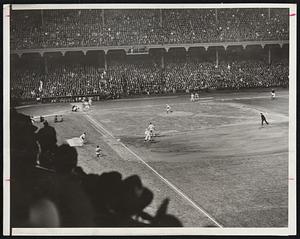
(109, 27)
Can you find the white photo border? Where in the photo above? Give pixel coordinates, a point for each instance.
(290, 230)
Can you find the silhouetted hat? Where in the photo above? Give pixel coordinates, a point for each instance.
(132, 202)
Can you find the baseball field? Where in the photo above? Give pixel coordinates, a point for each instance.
(214, 160)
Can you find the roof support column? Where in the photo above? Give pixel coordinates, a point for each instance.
(269, 55)
(162, 59)
(217, 57)
(105, 61)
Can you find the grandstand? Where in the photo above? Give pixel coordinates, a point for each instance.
(96, 38)
(211, 158)
(87, 28)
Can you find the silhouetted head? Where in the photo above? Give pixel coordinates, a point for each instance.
(46, 123)
(23, 145)
(65, 159)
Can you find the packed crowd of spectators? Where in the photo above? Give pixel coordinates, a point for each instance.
(75, 28)
(121, 79)
(49, 189)
(234, 75)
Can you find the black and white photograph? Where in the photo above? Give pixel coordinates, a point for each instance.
(149, 119)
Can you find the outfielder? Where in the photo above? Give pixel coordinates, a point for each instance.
(273, 94)
(169, 109)
(192, 97)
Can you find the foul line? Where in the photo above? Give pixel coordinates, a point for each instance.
(99, 126)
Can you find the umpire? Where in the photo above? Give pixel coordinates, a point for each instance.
(263, 119)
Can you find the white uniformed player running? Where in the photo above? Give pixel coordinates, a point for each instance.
(168, 109)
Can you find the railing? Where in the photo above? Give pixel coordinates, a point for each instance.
(127, 48)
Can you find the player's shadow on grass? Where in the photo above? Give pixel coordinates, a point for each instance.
(154, 141)
(160, 135)
(264, 126)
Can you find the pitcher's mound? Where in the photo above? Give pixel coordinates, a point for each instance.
(176, 114)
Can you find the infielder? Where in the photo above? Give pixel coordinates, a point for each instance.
(151, 129)
(83, 138)
(147, 135)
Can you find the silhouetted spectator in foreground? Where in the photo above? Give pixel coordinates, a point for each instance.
(23, 146)
(121, 203)
(47, 139)
(65, 159)
(103, 191)
(67, 196)
(29, 208)
(72, 201)
(134, 197)
(162, 219)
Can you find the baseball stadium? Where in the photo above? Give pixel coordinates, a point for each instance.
(149, 117)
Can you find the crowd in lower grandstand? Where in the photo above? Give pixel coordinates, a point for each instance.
(236, 75)
(74, 28)
(134, 79)
(49, 189)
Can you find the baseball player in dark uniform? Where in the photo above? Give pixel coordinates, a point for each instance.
(263, 119)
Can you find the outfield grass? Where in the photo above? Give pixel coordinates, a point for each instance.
(214, 151)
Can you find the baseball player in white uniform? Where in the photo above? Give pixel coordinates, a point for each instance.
(147, 135)
(83, 138)
(168, 109)
(151, 129)
(273, 94)
(192, 97)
